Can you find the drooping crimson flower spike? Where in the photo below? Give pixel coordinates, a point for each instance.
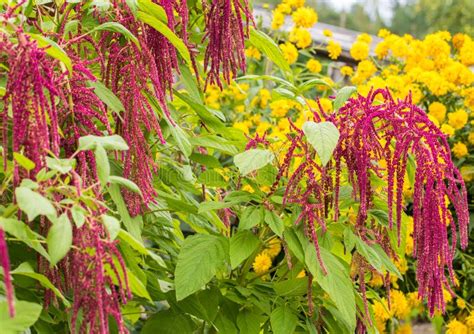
(5, 264)
(390, 131)
(226, 33)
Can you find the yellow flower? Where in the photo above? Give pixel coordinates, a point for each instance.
(448, 298)
(381, 50)
(327, 33)
(266, 5)
(404, 329)
(461, 303)
(470, 138)
(399, 303)
(458, 119)
(470, 320)
(326, 104)
(280, 108)
(252, 52)
(447, 129)
(283, 8)
(301, 37)
(360, 50)
(274, 248)
(262, 128)
(295, 3)
(305, 17)
(467, 173)
(301, 274)
(347, 71)
(381, 314)
(278, 19)
(456, 327)
(413, 300)
(438, 111)
(365, 69)
(466, 53)
(290, 52)
(402, 265)
(383, 33)
(314, 66)
(334, 49)
(459, 150)
(262, 263)
(244, 126)
(458, 40)
(265, 96)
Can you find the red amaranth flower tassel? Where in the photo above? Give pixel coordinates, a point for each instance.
(226, 33)
(5, 264)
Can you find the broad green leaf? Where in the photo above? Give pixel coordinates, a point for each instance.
(206, 160)
(153, 9)
(25, 269)
(62, 166)
(306, 85)
(132, 242)
(336, 283)
(252, 160)
(215, 142)
(200, 258)
(242, 245)
(190, 82)
(212, 178)
(114, 142)
(292, 287)
(211, 205)
(268, 47)
(251, 216)
(26, 315)
(167, 32)
(294, 243)
(59, 239)
(248, 321)
(112, 225)
(342, 96)
(23, 161)
(203, 304)
(132, 227)
(21, 231)
(275, 222)
(117, 27)
(130, 185)
(181, 138)
(323, 137)
(33, 204)
(107, 96)
(53, 49)
(78, 215)
(169, 322)
(102, 164)
(283, 320)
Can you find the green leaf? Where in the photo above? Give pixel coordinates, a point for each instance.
(153, 9)
(26, 315)
(117, 27)
(59, 239)
(117, 198)
(212, 178)
(78, 215)
(203, 304)
(248, 321)
(107, 96)
(242, 245)
(112, 225)
(21, 231)
(275, 222)
(251, 216)
(215, 142)
(132, 242)
(283, 320)
(53, 49)
(268, 47)
(167, 32)
(252, 160)
(102, 164)
(23, 161)
(62, 166)
(181, 138)
(200, 258)
(169, 322)
(136, 286)
(206, 160)
(33, 204)
(294, 243)
(130, 185)
(323, 137)
(342, 96)
(337, 283)
(292, 287)
(114, 142)
(25, 269)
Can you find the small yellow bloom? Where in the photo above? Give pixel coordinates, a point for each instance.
(383, 33)
(334, 49)
(399, 303)
(274, 248)
(460, 150)
(347, 71)
(278, 19)
(360, 50)
(366, 38)
(314, 66)
(447, 129)
(327, 33)
(252, 52)
(301, 274)
(470, 320)
(404, 329)
(458, 119)
(470, 138)
(290, 52)
(305, 17)
(456, 327)
(301, 37)
(461, 303)
(438, 111)
(262, 263)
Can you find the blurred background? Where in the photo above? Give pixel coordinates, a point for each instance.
(416, 17)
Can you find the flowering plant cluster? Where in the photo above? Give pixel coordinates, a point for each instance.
(169, 167)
